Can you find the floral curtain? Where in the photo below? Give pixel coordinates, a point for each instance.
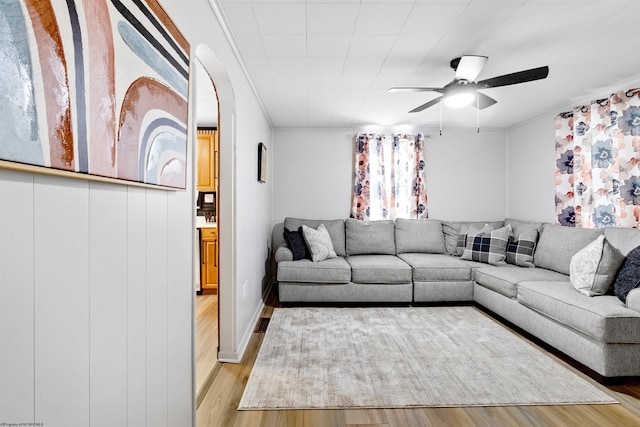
(598, 163)
(389, 179)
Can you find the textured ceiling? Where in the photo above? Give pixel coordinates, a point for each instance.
(329, 63)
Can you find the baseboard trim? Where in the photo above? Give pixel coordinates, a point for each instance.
(236, 357)
(207, 384)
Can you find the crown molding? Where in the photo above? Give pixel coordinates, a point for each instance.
(222, 20)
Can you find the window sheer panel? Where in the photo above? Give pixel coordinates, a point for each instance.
(389, 180)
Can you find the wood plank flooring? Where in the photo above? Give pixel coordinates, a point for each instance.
(206, 338)
(219, 406)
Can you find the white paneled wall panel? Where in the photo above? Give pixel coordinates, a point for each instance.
(95, 303)
(157, 307)
(108, 304)
(136, 306)
(181, 294)
(61, 256)
(16, 298)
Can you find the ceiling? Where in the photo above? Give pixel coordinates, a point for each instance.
(329, 63)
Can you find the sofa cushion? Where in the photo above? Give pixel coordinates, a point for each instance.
(521, 248)
(520, 226)
(622, 238)
(557, 245)
(334, 270)
(604, 318)
(419, 236)
(628, 277)
(379, 269)
(334, 227)
(452, 230)
(319, 243)
(436, 267)
(488, 247)
(295, 241)
(370, 237)
(505, 279)
(593, 268)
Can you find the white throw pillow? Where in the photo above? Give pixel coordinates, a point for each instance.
(593, 267)
(319, 243)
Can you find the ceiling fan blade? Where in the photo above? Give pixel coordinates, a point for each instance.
(470, 67)
(484, 101)
(415, 89)
(426, 105)
(515, 78)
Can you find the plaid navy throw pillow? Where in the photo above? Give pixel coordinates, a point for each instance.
(520, 252)
(490, 248)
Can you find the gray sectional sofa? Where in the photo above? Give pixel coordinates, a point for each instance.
(413, 261)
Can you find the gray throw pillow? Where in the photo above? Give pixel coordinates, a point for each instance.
(319, 243)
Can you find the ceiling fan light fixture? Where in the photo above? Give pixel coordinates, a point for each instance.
(463, 90)
(459, 99)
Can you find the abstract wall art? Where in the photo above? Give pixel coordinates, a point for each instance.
(98, 88)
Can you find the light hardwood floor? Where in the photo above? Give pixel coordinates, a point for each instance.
(219, 406)
(206, 339)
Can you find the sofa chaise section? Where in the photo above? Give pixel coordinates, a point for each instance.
(599, 332)
(607, 359)
(604, 319)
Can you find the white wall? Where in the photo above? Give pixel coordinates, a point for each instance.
(313, 171)
(530, 170)
(466, 175)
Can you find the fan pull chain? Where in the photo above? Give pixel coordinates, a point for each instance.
(441, 119)
(477, 113)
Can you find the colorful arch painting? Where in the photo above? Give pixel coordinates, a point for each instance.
(98, 88)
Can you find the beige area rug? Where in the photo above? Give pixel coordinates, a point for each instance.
(393, 357)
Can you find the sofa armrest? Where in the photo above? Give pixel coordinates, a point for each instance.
(283, 253)
(633, 299)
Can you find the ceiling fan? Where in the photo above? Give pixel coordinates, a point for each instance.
(463, 89)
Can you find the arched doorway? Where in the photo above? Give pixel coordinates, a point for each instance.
(226, 201)
(207, 227)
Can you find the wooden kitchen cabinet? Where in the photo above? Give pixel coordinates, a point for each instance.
(207, 156)
(209, 259)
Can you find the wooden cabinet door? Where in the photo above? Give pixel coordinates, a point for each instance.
(206, 156)
(209, 267)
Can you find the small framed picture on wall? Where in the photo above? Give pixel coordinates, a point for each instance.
(262, 162)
